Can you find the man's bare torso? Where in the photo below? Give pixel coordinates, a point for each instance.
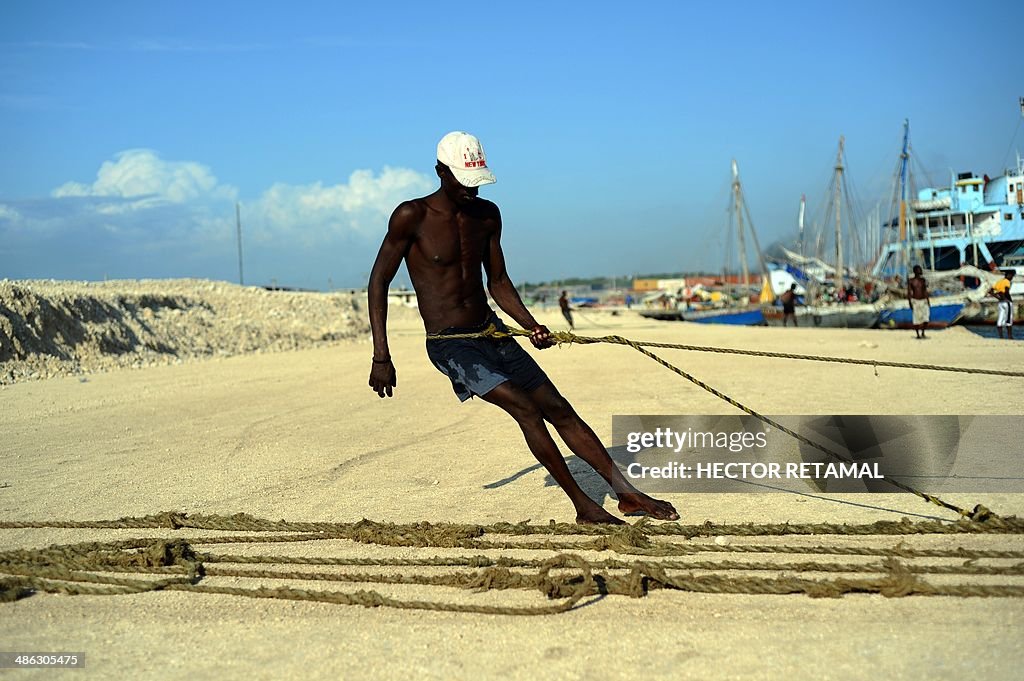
(445, 258)
(917, 288)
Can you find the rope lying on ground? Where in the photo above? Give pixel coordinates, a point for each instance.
(566, 337)
(450, 534)
(174, 565)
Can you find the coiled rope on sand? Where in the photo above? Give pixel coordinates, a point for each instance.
(162, 564)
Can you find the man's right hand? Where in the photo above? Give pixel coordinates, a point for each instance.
(541, 337)
(382, 378)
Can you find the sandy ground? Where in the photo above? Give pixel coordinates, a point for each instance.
(299, 435)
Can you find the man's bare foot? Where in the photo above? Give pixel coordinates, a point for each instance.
(641, 504)
(598, 516)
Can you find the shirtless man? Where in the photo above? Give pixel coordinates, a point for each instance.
(445, 238)
(789, 305)
(920, 302)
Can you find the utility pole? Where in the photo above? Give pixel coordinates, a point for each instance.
(238, 224)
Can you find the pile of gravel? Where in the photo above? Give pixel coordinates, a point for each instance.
(61, 328)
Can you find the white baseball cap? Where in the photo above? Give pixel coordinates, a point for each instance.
(464, 156)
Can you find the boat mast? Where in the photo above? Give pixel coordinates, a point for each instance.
(737, 198)
(904, 157)
(800, 224)
(837, 207)
(811, 282)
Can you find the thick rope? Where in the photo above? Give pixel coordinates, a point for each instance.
(161, 564)
(453, 534)
(561, 337)
(61, 579)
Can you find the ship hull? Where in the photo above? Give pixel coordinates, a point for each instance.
(851, 316)
(942, 315)
(748, 317)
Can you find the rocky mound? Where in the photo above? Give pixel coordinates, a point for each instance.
(59, 328)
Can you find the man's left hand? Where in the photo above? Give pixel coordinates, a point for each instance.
(541, 337)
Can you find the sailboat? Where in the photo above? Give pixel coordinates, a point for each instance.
(744, 313)
(720, 308)
(845, 314)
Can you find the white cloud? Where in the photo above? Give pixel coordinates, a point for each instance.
(141, 174)
(143, 215)
(8, 213)
(315, 212)
(138, 180)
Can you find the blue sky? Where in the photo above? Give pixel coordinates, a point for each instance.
(129, 130)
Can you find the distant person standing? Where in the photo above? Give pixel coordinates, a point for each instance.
(1001, 290)
(920, 301)
(563, 302)
(789, 305)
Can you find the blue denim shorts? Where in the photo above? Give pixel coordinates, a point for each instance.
(476, 366)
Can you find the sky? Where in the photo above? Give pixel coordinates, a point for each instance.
(130, 131)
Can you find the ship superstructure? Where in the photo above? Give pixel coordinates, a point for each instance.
(975, 221)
